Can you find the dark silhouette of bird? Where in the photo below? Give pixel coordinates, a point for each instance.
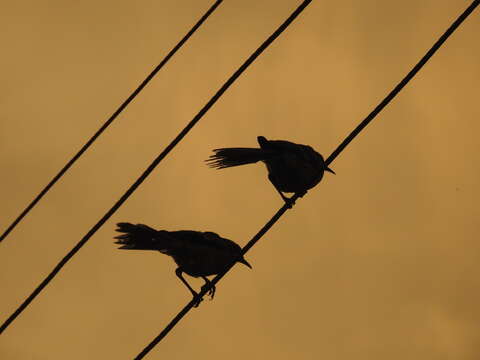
(292, 168)
(198, 254)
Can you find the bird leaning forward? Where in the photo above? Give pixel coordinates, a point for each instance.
(198, 254)
(292, 168)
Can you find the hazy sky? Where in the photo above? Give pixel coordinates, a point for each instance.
(377, 262)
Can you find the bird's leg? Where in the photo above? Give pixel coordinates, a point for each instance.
(287, 200)
(211, 291)
(290, 202)
(179, 272)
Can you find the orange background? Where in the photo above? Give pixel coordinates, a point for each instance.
(377, 262)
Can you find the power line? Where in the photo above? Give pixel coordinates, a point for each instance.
(329, 160)
(109, 121)
(152, 166)
(215, 280)
(404, 81)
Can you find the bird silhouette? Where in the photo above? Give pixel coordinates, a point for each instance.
(292, 168)
(198, 254)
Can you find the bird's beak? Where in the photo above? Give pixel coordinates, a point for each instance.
(329, 170)
(245, 262)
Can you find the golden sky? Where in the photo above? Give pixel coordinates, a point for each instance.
(377, 262)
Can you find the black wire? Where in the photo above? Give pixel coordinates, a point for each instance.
(329, 160)
(404, 81)
(215, 280)
(152, 166)
(109, 121)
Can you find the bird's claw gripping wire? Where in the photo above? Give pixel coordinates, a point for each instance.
(211, 291)
(197, 299)
(289, 202)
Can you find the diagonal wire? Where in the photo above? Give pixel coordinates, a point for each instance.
(152, 166)
(329, 160)
(109, 121)
(404, 81)
(212, 283)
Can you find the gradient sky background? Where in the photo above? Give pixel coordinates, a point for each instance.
(377, 262)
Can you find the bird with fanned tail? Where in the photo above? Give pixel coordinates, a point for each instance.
(292, 168)
(198, 254)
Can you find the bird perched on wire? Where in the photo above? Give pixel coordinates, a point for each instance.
(198, 254)
(292, 168)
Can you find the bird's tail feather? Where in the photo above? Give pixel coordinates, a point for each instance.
(140, 237)
(228, 157)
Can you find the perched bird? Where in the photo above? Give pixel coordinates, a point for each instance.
(198, 254)
(292, 168)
